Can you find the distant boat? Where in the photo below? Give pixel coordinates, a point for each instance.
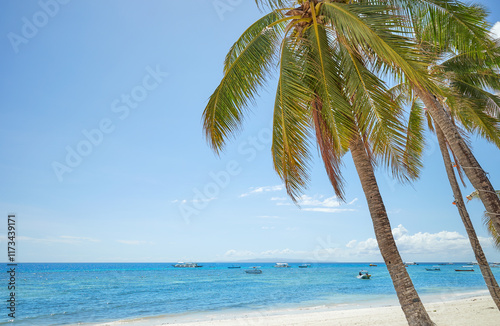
(433, 268)
(410, 263)
(282, 265)
(464, 270)
(363, 275)
(373, 265)
(468, 266)
(234, 267)
(254, 270)
(305, 266)
(187, 265)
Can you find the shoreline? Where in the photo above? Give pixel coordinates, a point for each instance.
(464, 309)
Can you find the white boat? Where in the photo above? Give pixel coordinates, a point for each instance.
(364, 275)
(282, 265)
(254, 270)
(187, 265)
(433, 268)
(411, 263)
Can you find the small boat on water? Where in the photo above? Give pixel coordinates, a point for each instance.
(254, 270)
(433, 268)
(364, 275)
(468, 266)
(464, 270)
(305, 266)
(410, 263)
(187, 265)
(373, 265)
(234, 267)
(282, 265)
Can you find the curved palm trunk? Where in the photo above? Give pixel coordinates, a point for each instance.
(408, 297)
(490, 280)
(473, 170)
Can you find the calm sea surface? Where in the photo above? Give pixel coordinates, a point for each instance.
(64, 294)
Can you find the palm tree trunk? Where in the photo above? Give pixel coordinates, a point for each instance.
(490, 280)
(476, 175)
(408, 297)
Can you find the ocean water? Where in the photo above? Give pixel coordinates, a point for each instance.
(68, 294)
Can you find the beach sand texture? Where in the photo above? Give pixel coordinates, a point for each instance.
(478, 311)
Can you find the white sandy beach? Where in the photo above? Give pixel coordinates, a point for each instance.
(467, 312)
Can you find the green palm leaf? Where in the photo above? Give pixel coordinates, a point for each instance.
(247, 73)
(291, 123)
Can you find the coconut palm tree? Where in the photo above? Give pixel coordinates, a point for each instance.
(454, 27)
(465, 79)
(329, 54)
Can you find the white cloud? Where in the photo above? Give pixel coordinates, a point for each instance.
(495, 30)
(324, 205)
(423, 245)
(262, 190)
(60, 239)
(185, 201)
(134, 242)
(329, 210)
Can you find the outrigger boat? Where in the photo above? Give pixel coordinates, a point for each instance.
(363, 275)
(433, 268)
(254, 270)
(282, 265)
(187, 265)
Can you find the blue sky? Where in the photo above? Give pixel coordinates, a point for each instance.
(104, 159)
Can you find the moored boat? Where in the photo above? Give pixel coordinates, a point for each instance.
(364, 275)
(305, 266)
(254, 270)
(282, 265)
(433, 268)
(187, 265)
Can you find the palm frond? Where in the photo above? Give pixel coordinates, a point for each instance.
(449, 25)
(375, 32)
(249, 35)
(291, 122)
(223, 114)
(415, 139)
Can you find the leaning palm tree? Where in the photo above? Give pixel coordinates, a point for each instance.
(329, 54)
(452, 26)
(488, 276)
(465, 79)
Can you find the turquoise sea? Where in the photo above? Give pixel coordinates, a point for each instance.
(67, 294)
